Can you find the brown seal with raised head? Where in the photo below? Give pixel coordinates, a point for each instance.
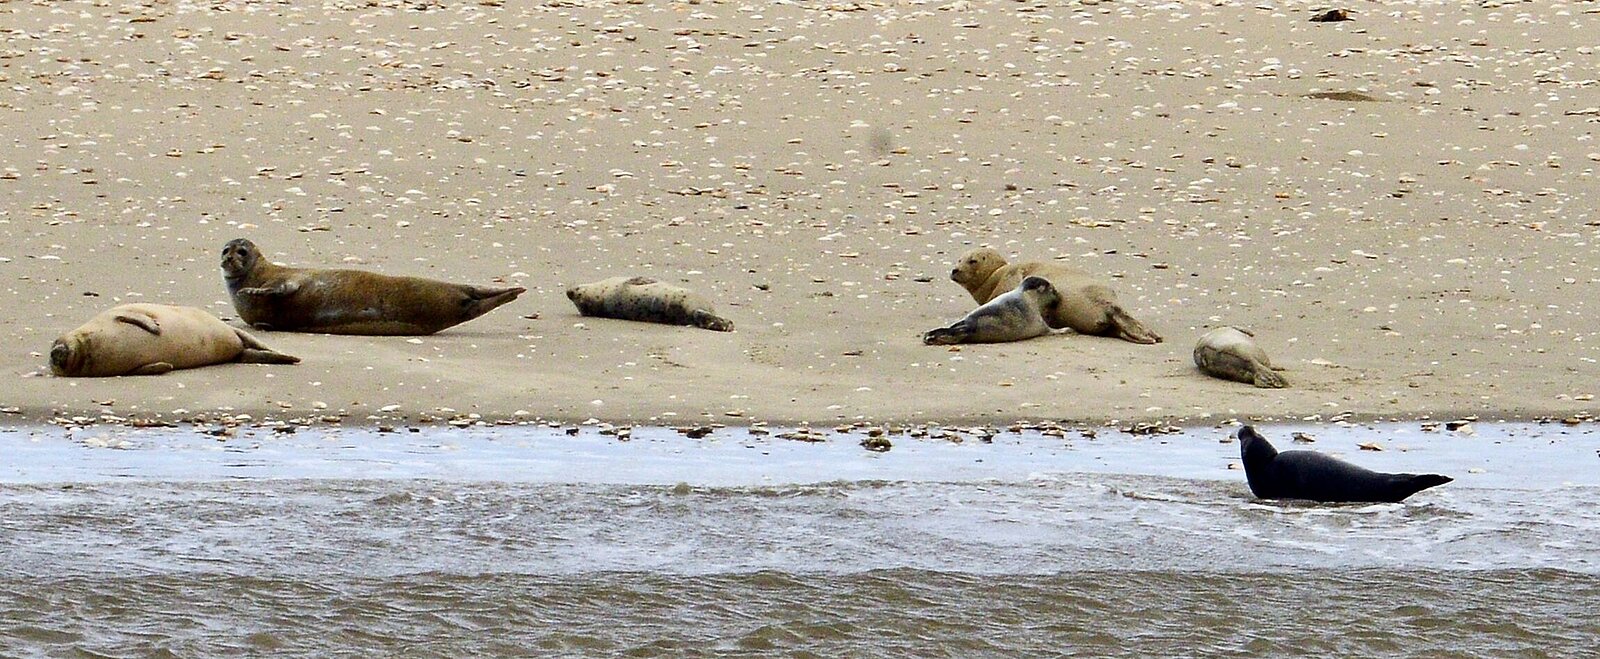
(1230, 354)
(1085, 305)
(332, 301)
(1014, 316)
(647, 300)
(151, 339)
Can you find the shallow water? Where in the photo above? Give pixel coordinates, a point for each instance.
(131, 543)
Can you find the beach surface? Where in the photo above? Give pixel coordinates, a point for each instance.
(1401, 207)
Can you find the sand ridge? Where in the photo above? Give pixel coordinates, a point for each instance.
(815, 169)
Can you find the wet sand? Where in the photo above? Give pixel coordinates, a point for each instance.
(1433, 251)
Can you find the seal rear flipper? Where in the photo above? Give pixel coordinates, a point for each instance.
(1130, 329)
(1406, 485)
(158, 368)
(944, 336)
(1267, 378)
(707, 320)
(265, 356)
(142, 321)
(482, 300)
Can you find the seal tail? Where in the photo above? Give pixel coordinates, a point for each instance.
(1406, 485)
(481, 299)
(707, 320)
(1130, 329)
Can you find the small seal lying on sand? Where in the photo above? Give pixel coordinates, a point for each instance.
(645, 299)
(151, 339)
(1318, 477)
(1085, 305)
(1014, 316)
(1228, 353)
(274, 297)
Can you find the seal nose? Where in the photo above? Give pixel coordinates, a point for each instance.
(954, 272)
(60, 354)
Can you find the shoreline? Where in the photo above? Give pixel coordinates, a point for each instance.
(20, 419)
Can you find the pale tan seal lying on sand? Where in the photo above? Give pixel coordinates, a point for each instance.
(274, 297)
(1014, 316)
(151, 339)
(645, 299)
(1230, 354)
(1086, 305)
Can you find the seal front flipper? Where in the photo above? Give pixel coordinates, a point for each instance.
(145, 322)
(158, 368)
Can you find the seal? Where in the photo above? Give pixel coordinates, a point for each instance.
(1318, 477)
(1230, 354)
(274, 297)
(1014, 316)
(151, 339)
(647, 300)
(1086, 305)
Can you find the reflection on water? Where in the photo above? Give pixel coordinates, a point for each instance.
(516, 544)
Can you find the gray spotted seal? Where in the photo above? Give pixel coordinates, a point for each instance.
(1318, 477)
(151, 339)
(1086, 305)
(1230, 354)
(647, 300)
(274, 297)
(1013, 316)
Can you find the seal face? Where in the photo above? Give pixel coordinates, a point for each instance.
(1014, 316)
(1318, 477)
(1086, 305)
(151, 339)
(1230, 354)
(336, 301)
(646, 300)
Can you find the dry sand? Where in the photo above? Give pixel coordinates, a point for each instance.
(1434, 251)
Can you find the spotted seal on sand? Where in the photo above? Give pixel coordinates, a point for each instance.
(1014, 316)
(1318, 477)
(151, 339)
(274, 297)
(1085, 305)
(647, 300)
(1230, 354)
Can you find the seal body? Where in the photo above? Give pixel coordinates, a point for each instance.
(1230, 354)
(1014, 316)
(647, 300)
(273, 297)
(151, 339)
(1318, 477)
(1085, 305)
